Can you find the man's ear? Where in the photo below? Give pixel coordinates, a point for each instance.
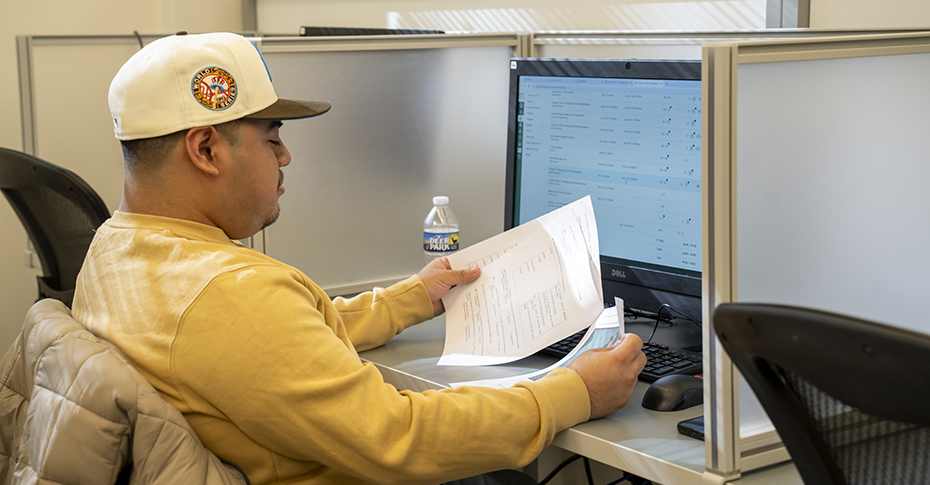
(202, 145)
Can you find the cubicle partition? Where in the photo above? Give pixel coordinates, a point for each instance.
(412, 117)
(814, 195)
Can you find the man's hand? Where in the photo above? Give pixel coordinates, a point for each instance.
(439, 278)
(611, 373)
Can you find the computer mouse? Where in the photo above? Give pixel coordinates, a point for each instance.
(674, 392)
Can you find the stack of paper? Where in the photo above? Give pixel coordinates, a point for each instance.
(540, 282)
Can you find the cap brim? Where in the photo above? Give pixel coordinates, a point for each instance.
(290, 109)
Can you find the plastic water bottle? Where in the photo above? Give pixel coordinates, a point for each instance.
(440, 230)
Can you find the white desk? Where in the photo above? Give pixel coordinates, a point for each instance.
(633, 439)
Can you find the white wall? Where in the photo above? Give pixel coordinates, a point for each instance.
(287, 16)
(829, 14)
(65, 17)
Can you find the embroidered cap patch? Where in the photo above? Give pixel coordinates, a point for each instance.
(214, 88)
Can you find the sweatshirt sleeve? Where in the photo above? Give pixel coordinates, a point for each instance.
(284, 373)
(374, 317)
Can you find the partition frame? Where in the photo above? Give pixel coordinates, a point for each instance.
(26, 45)
(725, 454)
(390, 42)
(26, 93)
(538, 40)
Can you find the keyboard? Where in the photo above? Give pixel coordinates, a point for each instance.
(660, 360)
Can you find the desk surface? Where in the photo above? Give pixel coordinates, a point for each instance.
(633, 439)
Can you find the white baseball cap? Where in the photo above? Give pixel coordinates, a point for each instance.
(184, 81)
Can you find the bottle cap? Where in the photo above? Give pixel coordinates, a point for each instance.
(440, 200)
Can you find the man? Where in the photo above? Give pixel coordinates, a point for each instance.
(261, 363)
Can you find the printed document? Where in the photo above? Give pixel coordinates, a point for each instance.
(607, 331)
(539, 283)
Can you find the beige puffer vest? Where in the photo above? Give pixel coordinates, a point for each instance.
(72, 410)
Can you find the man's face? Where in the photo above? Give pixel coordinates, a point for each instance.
(256, 178)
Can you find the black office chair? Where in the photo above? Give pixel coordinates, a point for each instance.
(60, 213)
(850, 398)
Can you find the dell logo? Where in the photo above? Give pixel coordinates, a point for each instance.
(618, 273)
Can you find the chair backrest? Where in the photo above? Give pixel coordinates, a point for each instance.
(90, 417)
(850, 398)
(59, 212)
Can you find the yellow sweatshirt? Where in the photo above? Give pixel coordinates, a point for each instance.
(265, 367)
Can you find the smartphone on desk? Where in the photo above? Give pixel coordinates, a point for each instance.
(692, 427)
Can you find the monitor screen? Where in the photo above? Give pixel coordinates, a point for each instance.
(627, 133)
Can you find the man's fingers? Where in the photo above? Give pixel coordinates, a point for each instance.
(610, 374)
(462, 276)
(470, 274)
(628, 348)
(632, 336)
(439, 279)
(444, 261)
(639, 361)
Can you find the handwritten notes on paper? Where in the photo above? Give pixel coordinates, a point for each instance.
(540, 283)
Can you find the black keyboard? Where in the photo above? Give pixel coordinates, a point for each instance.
(660, 360)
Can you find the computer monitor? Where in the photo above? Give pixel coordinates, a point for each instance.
(627, 133)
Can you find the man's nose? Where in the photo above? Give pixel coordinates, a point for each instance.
(285, 158)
